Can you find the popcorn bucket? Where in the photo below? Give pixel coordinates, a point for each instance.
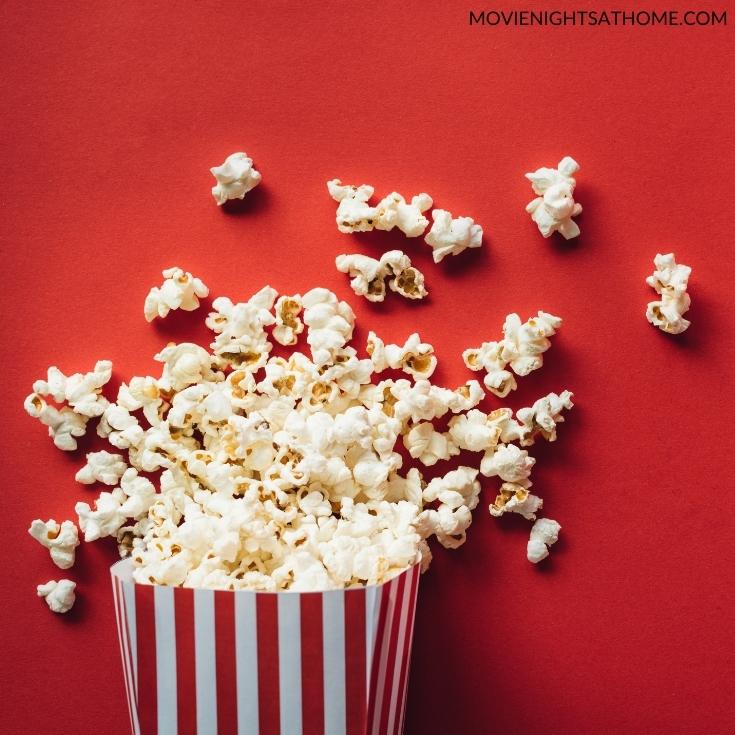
(221, 662)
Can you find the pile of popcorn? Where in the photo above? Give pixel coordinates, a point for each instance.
(278, 473)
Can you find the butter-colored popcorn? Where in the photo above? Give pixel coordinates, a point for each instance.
(235, 178)
(59, 595)
(508, 462)
(354, 214)
(288, 324)
(329, 322)
(515, 498)
(670, 281)
(553, 208)
(180, 290)
(521, 349)
(102, 467)
(369, 275)
(450, 236)
(415, 357)
(544, 533)
(60, 539)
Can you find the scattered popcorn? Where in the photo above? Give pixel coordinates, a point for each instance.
(235, 178)
(369, 275)
(102, 467)
(521, 349)
(554, 207)
(354, 214)
(670, 281)
(59, 595)
(544, 533)
(60, 540)
(278, 473)
(180, 290)
(449, 236)
(415, 357)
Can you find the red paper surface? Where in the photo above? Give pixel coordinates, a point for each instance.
(112, 114)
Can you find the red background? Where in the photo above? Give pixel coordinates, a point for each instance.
(112, 114)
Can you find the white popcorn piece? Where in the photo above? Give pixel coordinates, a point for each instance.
(329, 321)
(544, 533)
(180, 290)
(60, 539)
(429, 446)
(59, 595)
(63, 425)
(476, 431)
(288, 324)
(354, 214)
(542, 418)
(241, 339)
(508, 462)
(450, 236)
(235, 178)
(521, 349)
(670, 280)
(553, 208)
(183, 365)
(369, 275)
(415, 357)
(105, 519)
(102, 467)
(515, 498)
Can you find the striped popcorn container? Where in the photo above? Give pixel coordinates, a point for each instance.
(218, 662)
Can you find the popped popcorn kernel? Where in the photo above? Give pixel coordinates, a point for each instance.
(553, 208)
(60, 539)
(670, 280)
(451, 236)
(180, 290)
(369, 276)
(235, 178)
(59, 595)
(544, 534)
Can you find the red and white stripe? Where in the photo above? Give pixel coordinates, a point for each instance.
(204, 662)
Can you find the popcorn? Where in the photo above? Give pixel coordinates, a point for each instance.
(449, 236)
(82, 393)
(670, 281)
(554, 207)
(288, 325)
(180, 290)
(542, 417)
(60, 539)
(515, 498)
(235, 178)
(278, 473)
(415, 357)
(544, 534)
(521, 349)
(508, 462)
(354, 214)
(369, 275)
(59, 595)
(429, 446)
(102, 467)
(105, 519)
(330, 323)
